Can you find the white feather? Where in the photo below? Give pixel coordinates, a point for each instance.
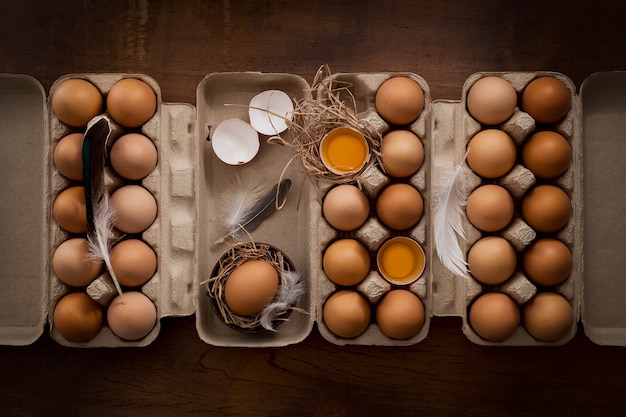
(99, 247)
(448, 221)
(288, 295)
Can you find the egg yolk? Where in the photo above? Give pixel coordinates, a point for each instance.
(398, 260)
(401, 260)
(345, 153)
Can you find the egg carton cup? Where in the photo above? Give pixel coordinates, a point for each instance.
(172, 233)
(453, 128)
(373, 233)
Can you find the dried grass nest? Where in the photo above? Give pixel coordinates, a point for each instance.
(236, 255)
(331, 105)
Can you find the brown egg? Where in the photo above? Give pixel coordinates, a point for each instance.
(347, 314)
(547, 261)
(135, 208)
(546, 99)
(546, 208)
(491, 153)
(132, 315)
(346, 262)
(133, 156)
(134, 262)
(76, 101)
(402, 153)
(400, 314)
(490, 207)
(346, 207)
(69, 210)
(68, 156)
(548, 316)
(492, 260)
(131, 102)
(250, 287)
(491, 100)
(399, 100)
(494, 316)
(73, 266)
(399, 206)
(547, 154)
(77, 317)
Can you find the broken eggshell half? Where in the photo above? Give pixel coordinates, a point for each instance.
(235, 142)
(269, 112)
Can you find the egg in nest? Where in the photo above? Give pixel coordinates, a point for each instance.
(251, 286)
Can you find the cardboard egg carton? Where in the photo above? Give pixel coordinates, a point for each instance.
(455, 122)
(222, 96)
(172, 235)
(374, 233)
(190, 183)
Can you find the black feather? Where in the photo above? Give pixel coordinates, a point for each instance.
(264, 208)
(94, 159)
(99, 212)
(246, 205)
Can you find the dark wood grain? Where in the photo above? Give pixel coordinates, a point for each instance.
(178, 43)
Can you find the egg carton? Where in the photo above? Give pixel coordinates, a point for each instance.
(453, 122)
(189, 183)
(223, 96)
(171, 235)
(373, 233)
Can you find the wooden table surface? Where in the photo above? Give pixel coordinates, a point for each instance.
(178, 43)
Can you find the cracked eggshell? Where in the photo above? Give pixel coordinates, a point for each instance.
(270, 111)
(235, 142)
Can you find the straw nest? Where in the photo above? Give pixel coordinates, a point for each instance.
(331, 105)
(236, 255)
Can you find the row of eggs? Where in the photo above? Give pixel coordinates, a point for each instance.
(77, 316)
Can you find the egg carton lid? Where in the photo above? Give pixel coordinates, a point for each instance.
(23, 222)
(603, 313)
